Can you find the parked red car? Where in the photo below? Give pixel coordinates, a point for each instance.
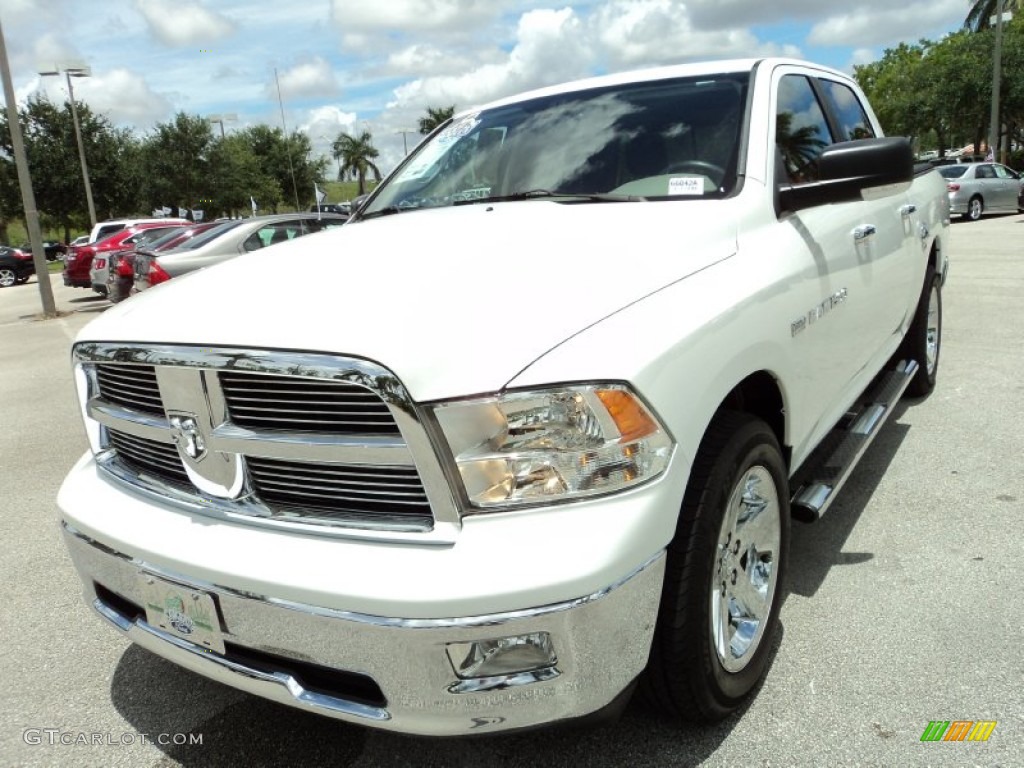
(78, 260)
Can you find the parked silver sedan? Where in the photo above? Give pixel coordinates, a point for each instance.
(977, 188)
(226, 240)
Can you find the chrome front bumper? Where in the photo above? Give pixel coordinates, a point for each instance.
(274, 647)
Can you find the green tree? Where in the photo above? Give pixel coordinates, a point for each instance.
(355, 155)
(112, 156)
(434, 117)
(279, 160)
(941, 88)
(175, 159)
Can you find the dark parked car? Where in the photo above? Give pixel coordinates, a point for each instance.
(339, 208)
(53, 249)
(16, 266)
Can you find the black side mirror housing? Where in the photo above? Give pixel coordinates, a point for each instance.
(848, 168)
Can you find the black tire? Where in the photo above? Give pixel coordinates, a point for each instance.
(923, 341)
(8, 277)
(975, 207)
(687, 675)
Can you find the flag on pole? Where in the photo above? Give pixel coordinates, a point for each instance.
(320, 197)
(182, 213)
(197, 215)
(254, 206)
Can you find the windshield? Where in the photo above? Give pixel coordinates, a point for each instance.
(668, 138)
(952, 171)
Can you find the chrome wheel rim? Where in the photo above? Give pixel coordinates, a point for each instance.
(745, 569)
(7, 278)
(975, 211)
(931, 344)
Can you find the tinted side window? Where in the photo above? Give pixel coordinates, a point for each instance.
(853, 121)
(801, 131)
(1005, 173)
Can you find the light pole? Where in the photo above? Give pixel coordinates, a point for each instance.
(405, 143)
(994, 134)
(28, 197)
(70, 72)
(220, 119)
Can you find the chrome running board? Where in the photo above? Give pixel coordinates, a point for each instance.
(822, 476)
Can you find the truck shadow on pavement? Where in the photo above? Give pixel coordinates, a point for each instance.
(161, 700)
(816, 548)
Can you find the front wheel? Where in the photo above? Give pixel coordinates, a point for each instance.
(723, 583)
(8, 277)
(924, 339)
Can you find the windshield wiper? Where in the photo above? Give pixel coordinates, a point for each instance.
(532, 194)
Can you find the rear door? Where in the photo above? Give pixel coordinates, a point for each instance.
(1009, 187)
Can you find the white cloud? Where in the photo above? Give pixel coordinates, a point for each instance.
(310, 78)
(123, 97)
(323, 125)
(414, 60)
(179, 23)
(887, 25)
(551, 46)
(635, 33)
(376, 15)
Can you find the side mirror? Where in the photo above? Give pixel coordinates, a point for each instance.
(847, 169)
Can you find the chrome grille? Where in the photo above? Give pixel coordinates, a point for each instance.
(292, 404)
(144, 455)
(295, 440)
(133, 386)
(341, 490)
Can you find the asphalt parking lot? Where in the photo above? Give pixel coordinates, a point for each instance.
(903, 603)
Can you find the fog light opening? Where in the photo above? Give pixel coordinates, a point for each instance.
(502, 656)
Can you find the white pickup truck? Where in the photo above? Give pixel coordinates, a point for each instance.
(532, 428)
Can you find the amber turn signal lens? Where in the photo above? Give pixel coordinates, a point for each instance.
(629, 416)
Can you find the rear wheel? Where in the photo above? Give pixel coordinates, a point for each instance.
(924, 339)
(723, 583)
(974, 209)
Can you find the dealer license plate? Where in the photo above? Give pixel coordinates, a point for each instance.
(185, 613)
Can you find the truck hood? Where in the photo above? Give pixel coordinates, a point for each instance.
(455, 301)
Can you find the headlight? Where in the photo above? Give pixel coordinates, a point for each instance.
(553, 445)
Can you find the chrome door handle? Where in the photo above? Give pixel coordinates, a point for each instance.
(908, 209)
(862, 233)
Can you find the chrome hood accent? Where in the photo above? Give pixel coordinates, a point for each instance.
(455, 301)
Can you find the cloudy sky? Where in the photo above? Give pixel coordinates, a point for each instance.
(377, 64)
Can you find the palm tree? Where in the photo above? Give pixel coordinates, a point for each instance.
(355, 155)
(435, 116)
(982, 11)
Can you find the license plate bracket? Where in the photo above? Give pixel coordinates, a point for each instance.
(182, 612)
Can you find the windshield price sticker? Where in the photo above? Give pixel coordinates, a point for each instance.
(686, 185)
